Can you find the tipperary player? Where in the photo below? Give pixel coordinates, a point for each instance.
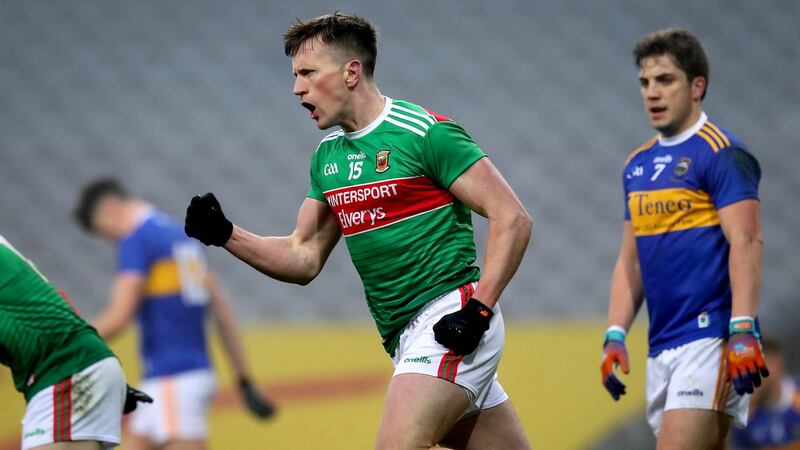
(163, 281)
(72, 382)
(691, 245)
(400, 183)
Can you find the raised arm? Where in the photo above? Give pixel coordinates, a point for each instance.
(484, 190)
(297, 258)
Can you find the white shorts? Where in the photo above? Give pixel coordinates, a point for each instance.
(84, 407)
(179, 409)
(418, 352)
(692, 376)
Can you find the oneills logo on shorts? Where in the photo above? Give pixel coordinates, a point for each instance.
(382, 161)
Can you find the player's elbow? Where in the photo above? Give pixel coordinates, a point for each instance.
(522, 223)
(306, 276)
(750, 240)
(303, 280)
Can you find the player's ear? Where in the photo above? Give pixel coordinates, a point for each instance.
(698, 88)
(353, 73)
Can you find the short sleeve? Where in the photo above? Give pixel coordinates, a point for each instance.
(132, 257)
(447, 152)
(731, 175)
(627, 215)
(315, 191)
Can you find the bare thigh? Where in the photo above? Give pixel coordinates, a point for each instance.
(185, 444)
(74, 445)
(497, 427)
(133, 441)
(419, 411)
(693, 429)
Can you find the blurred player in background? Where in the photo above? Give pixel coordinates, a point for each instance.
(400, 183)
(691, 245)
(774, 422)
(72, 382)
(164, 282)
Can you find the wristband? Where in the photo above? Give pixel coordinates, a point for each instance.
(477, 306)
(742, 324)
(614, 333)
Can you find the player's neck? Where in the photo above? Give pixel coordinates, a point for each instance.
(366, 104)
(691, 120)
(135, 212)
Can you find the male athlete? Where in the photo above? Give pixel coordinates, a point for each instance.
(691, 244)
(163, 281)
(399, 182)
(72, 382)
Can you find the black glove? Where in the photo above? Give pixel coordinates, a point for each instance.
(206, 222)
(133, 397)
(462, 330)
(255, 402)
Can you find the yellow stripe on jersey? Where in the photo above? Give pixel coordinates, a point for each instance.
(703, 134)
(708, 130)
(163, 278)
(665, 210)
(646, 146)
(719, 132)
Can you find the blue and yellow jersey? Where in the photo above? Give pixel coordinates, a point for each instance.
(777, 426)
(171, 315)
(674, 188)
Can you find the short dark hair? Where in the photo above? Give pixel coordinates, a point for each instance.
(349, 34)
(682, 46)
(92, 194)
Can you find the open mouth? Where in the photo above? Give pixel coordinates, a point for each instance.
(309, 107)
(657, 109)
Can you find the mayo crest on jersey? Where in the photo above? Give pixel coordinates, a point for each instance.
(673, 190)
(172, 311)
(409, 238)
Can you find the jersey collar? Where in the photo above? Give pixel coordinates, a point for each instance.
(684, 136)
(146, 213)
(374, 124)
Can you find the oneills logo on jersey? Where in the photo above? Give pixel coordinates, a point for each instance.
(683, 166)
(382, 161)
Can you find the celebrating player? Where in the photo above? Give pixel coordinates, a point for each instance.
(71, 380)
(399, 182)
(691, 245)
(163, 280)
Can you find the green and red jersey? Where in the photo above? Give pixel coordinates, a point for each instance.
(409, 238)
(42, 339)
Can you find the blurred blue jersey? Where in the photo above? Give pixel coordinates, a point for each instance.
(673, 190)
(776, 426)
(172, 312)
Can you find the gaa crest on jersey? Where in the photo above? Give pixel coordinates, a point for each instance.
(683, 166)
(382, 161)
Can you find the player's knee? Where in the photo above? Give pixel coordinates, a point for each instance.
(402, 440)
